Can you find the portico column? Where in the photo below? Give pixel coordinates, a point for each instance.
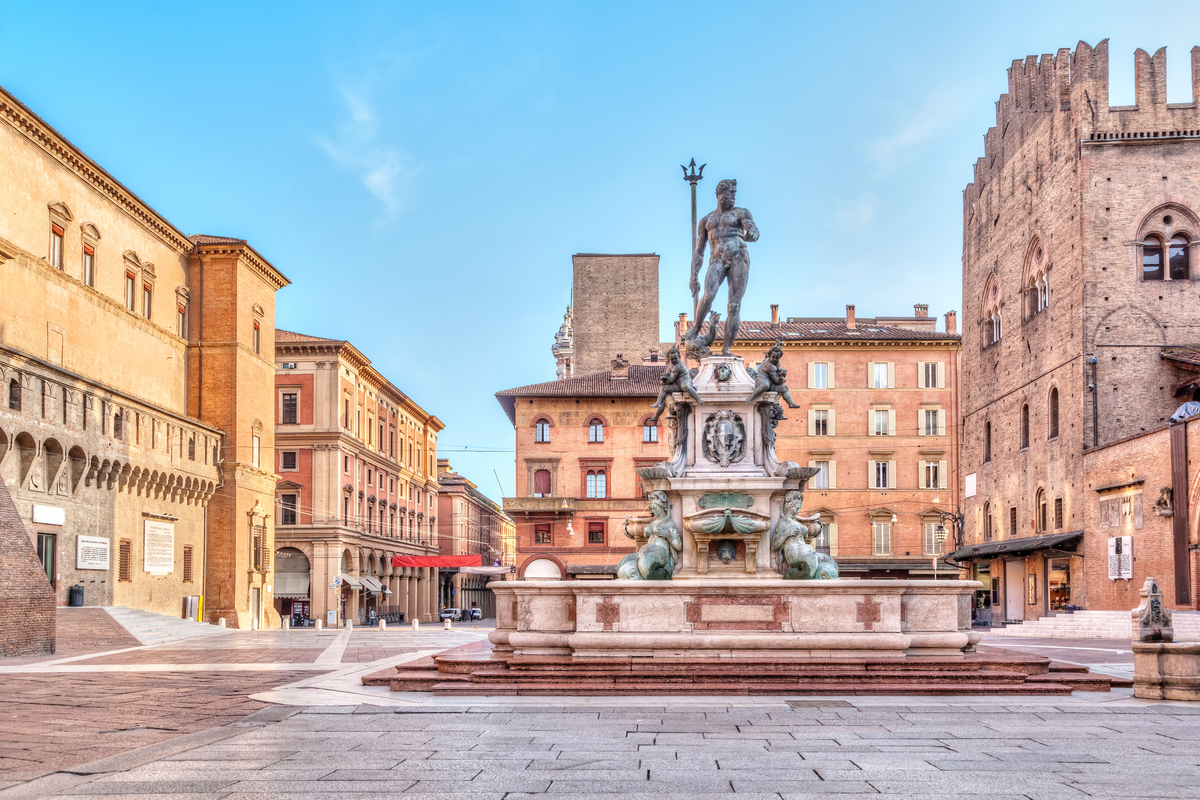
(402, 594)
(423, 595)
(434, 591)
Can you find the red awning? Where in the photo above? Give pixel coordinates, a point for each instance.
(436, 561)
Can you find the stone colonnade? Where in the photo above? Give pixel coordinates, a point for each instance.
(414, 589)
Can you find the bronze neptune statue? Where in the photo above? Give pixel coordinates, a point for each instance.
(727, 229)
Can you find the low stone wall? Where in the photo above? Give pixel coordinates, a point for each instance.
(734, 618)
(26, 597)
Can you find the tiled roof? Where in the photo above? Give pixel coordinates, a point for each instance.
(1184, 355)
(291, 336)
(821, 330)
(644, 381)
(201, 238)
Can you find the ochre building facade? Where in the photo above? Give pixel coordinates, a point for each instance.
(136, 369)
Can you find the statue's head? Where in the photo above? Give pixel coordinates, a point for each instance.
(726, 193)
(673, 355)
(792, 502)
(658, 504)
(776, 352)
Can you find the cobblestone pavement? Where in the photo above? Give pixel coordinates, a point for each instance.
(998, 748)
(103, 693)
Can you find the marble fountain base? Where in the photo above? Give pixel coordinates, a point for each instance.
(730, 636)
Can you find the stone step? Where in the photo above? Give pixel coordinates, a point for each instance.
(149, 627)
(423, 680)
(719, 675)
(459, 688)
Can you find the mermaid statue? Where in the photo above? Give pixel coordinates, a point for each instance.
(657, 558)
(791, 543)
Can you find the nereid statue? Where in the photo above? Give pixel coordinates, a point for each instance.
(677, 378)
(658, 557)
(727, 229)
(791, 543)
(771, 377)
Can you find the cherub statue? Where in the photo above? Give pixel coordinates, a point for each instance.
(677, 378)
(791, 542)
(656, 559)
(771, 377)
(698, 346)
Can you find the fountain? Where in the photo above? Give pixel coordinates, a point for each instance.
(726, 593)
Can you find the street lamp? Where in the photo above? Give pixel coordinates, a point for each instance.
(940, 534)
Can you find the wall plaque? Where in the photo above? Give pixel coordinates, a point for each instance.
(1120, 558)
(158, 552)
(91, 552)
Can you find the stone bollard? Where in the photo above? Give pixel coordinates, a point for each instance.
(318, 625)
(383, 624)
(287, 623)
(416, 625)
(253, 624)
(349, 624)
(221, 622)
(445, 624)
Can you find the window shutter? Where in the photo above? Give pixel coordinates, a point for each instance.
(891, 374)
(833, 475)
(921, 480)
(920, 422)
(125, 560)
(870, 374)
(1137, 511)
(870, 422)
(812, 464)
(942, 474)
(920, 374)
(941, 422)
(941, 374)
(870, 474)
(833, 536)
(891, 422)
(812, 374)
(829, 375)
(812, 422)
(830, 426)
(891, 474)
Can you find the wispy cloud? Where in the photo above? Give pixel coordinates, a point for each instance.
(940, 109)
(358, 146)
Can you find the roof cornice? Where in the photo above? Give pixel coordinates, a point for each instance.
(55, 145)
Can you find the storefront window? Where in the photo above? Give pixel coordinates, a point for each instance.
(1059, 581)
(981, 608)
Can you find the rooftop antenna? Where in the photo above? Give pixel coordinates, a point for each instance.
(693, 178)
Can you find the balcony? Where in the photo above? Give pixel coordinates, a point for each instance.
(539, 505)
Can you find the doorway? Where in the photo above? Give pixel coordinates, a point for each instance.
(1014, 591)
(46, 549)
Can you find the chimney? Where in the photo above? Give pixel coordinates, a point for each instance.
(921, 310)
(774, 315)
(681, 327)
(620, 368)
(850, 317)
(952, 322)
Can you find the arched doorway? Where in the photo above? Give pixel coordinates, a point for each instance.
(293, 578)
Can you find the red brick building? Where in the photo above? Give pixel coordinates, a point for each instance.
(1080, 229)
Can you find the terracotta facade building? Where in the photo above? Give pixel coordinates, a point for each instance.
(356, 459)
(470, 523)
(136, 369)
(578, 441)
(1080, 236)
(878, 397)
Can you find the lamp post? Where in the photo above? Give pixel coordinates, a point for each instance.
(940, 533)
(693, 178)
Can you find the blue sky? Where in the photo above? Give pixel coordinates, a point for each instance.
(424, 171)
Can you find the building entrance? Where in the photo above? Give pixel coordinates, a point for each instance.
(1014, 591)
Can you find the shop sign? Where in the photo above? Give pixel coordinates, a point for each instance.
(1120, 558)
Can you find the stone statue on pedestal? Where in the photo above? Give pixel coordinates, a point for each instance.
(791, 543)
(771, 377)
(727, 229)
(677, 378)
(658, 557)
